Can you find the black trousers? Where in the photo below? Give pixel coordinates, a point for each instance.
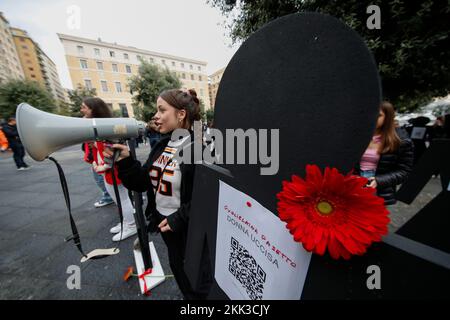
(176, 245)
(19, 154)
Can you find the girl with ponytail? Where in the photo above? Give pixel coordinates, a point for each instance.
(167, 182)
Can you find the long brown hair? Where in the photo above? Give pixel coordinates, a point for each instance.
(99, 108)
(390, 139)
(186, 100)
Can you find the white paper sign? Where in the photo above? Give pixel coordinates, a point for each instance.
(418, 133)
(256, 256)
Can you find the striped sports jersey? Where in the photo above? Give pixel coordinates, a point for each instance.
(167, 197)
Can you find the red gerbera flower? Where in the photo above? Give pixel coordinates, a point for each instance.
(332, 211)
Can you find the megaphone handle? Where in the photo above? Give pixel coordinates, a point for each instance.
(116, 154)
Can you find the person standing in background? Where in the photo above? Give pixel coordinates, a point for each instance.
(388, 160)
(99, 109)
(89, 158)
(3, 141)
(10, 131)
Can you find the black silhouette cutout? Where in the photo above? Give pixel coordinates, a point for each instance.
(313, 78)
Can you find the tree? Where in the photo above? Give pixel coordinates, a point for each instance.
(441, 109)
(117, 113)
(411, 47)
(146, 87)
(209, 116)
(76, 98)
(63, 108)
(14, 92)
(202, 109)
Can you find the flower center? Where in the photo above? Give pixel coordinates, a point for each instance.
(324, 208)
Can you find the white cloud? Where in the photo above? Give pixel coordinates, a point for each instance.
(189, 29)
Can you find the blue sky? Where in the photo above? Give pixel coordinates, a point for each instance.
(191, 29)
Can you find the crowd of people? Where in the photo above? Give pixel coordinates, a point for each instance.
(168, 184)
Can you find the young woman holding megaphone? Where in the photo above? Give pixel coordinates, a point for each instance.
(167, 181)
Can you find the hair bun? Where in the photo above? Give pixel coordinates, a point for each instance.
(183, 99)
(193, 94)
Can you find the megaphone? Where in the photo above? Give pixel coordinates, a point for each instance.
(43, 133)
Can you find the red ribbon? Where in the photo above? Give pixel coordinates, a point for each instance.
(142, 277)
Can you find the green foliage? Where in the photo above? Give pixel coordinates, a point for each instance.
(202, 109)
(14, 92)
(209, 116)
(411, 48)
(146, 87)
(63, 109)
(117, 113)
(441, 109)
(76, 99)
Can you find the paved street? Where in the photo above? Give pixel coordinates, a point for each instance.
(34, 221)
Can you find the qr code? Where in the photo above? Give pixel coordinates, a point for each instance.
(245, 269)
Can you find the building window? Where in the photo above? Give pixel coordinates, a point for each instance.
(112, 54)
(183, 76)
(128, 68)
(22, 39)
(125, 56)
(151, 60)
(99, 65)
(163, 61)
(192, 77)
(31, 69)
(83, 64)
(24, 47)
(104, 86)
(118, 87)
(80, 50)
(199, 68)
(114, 67)
(123, 110)
(88, 84)
(26, 54)
(191, 67)
(97, 51)
(138, 57)
(182, 65)
(201, 92)
(173, 63)
(199, 78)
(33, 76)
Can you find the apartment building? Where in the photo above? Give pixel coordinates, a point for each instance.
(10, 67)
(36, 65)
(108, 66)
(214, 81)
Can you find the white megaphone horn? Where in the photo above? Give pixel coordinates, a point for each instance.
(43, 133)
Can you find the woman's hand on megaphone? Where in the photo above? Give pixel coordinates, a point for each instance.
(124, 153)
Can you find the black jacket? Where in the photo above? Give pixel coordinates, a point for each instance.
(11, 134)
(392, 170)
(136, 177)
